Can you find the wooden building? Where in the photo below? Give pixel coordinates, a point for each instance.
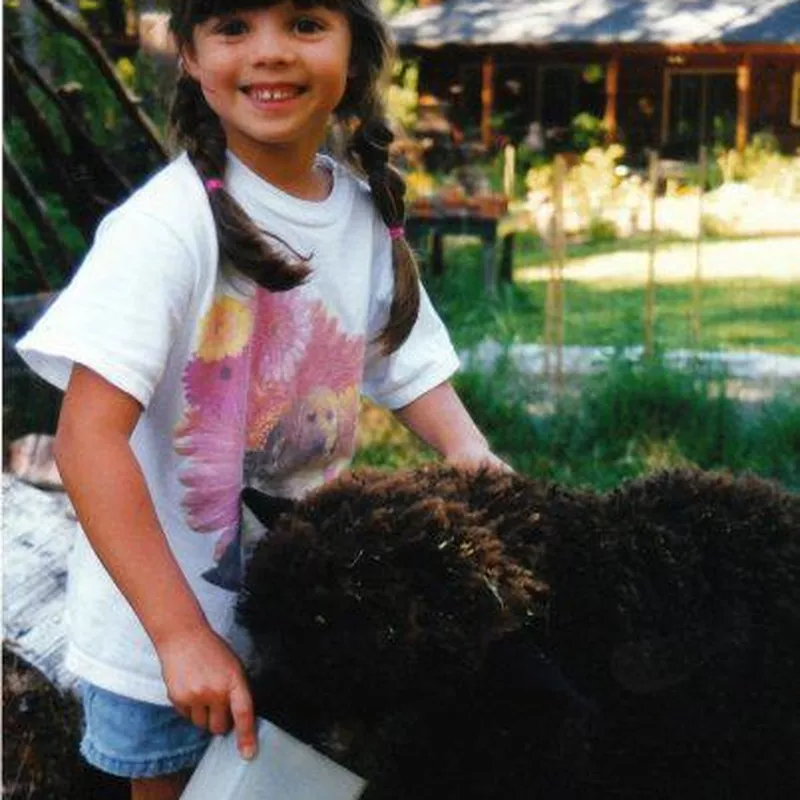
(670, 74)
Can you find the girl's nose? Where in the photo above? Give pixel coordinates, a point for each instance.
(272, 46)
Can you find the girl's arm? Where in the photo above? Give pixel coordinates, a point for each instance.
(439, 418)
(205, 680)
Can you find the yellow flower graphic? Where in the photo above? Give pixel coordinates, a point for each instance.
(225, 329)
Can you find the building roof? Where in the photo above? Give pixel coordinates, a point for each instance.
(600, 22)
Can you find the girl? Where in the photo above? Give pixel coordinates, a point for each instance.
(219, 334)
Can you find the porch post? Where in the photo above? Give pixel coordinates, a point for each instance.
(743, 84)
(487, 98)
(612, 87)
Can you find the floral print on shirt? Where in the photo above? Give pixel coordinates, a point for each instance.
(272, 393)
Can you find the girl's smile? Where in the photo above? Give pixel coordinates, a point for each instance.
(273, 75)
(277, 95)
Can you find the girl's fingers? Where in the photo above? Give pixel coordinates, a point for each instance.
(244, 720)
(219, 719)
(199, 716)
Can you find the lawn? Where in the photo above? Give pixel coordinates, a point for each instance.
(634, 417)
(630, 420)
(736, 314)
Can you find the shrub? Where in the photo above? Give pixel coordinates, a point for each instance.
(635, 401)
(602, 230)
(630, 419)
(587, 131)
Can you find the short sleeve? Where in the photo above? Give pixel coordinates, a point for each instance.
(426, 359)
(120, 313)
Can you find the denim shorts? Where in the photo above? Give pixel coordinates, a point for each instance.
(132, 739)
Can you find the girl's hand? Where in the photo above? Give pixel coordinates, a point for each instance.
(477, 457)
(103, 477)
(206, 683)
(439, 418)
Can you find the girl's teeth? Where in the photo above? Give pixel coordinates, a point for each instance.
(267, 95)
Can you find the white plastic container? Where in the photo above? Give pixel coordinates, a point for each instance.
(284, 769)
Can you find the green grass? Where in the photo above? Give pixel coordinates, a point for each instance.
(635, 416)
(631, 419)
(735, 315)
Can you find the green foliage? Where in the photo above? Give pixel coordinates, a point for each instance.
(75, 66)
(396, 6)
(460, 297)
(18, 273)
(634, 416)
(635, 403)
(587, 131)
(528, 159)
(736, 314)
(772, 439)
(590, 187)
(631, 418)
(761, 165)
(500, 401)
(64, 63)
(602, 230)
(153, 82)
(384, 442)
(403, 95)
(713, 227)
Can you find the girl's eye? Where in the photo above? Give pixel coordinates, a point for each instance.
(230, 27)
(307, 25)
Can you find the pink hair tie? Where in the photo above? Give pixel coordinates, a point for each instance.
(212, 184)
(398, 232)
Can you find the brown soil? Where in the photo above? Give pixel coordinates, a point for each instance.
(41, 731)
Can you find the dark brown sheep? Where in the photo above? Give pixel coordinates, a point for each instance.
(454, 634)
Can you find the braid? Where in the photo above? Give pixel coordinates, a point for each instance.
(370, 144)
(241, 242)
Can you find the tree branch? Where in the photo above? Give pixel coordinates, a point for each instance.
(53, 156)
(71, 23)
(79, 138)
(26, 252)
(35, 208)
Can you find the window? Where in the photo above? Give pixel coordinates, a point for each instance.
(568, 90)
(701, 110)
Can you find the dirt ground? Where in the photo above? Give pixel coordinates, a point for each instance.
(41, 730)
(775, 259)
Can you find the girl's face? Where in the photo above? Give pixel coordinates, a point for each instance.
(273, 75)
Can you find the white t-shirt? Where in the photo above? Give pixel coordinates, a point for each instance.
(239, 386)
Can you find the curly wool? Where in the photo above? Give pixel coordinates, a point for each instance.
(480, 634)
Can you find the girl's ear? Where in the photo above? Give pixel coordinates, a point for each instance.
(187, 62)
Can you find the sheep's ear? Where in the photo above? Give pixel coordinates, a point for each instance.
(265, 507)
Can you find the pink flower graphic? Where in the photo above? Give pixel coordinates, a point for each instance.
(214, 448)
(211, 383)
(281, 334)
(284, 399)
(334, 360)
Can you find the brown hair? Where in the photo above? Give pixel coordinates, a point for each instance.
(361, 116)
